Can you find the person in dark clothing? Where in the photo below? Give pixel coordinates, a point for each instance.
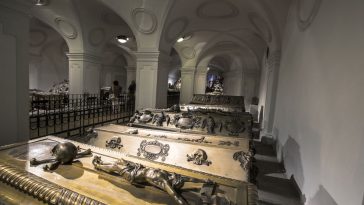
(132, 87)
(116, 89)
(115, 95)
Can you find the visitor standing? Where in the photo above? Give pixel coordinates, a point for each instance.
(115, 95)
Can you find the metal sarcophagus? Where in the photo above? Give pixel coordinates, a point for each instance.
(224, 103)
(174, 148)
(112, 177)
(212, 122)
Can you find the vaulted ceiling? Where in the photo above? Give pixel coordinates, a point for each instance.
(237, 31)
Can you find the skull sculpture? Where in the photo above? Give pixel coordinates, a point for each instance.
(63, 153)
(199, 158)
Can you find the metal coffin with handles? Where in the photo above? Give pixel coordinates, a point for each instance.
(201, 139)
(200, 121)
(225, 103)
(189, 151)
(85, 181)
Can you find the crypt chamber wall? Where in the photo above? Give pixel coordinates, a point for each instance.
(302, 59)
(48, 64)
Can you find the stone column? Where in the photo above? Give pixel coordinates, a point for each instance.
(151, 80)
(84, 73)
(273, 64)
(187, 84)
(200, 82)
(233, 82)
(34, 66)
(130, 75)
(14, 77)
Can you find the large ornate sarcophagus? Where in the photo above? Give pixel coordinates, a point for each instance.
(194, 152)
(216, 102)
(212, 122)
(112, 131)
(98, 176)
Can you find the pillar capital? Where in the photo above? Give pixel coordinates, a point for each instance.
(147, 56)
(188, 69)
(130, 68)
(84, 73)
(83, 57)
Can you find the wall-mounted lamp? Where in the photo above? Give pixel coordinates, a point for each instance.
(41, 2)
(122, 38)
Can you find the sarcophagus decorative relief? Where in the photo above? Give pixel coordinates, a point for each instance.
(112, 134)
(211, 122)
(110, 177)
(179, 149)
(215, 102)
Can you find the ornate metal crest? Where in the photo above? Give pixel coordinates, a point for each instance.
(114, 142)
(199, 158)
(152, 150)
(234, 127)
(229, 143)
(244, 159)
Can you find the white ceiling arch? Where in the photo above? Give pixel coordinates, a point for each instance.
(85, 25)
(119, 50)
(228, 42)
(255, 25)
(239, 59)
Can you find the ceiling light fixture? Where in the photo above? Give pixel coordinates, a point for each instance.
(180, 39)
(41, 2)
(122, 38)
(183, 38)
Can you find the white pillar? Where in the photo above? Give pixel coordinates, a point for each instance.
(14, 77)
(200, 82)
(250, 86)
(84, 73)
(233, 82)
(34, 67)
(187, 84)
(151, 80)
(272, 84)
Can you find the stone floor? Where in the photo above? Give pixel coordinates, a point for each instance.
(274, 187)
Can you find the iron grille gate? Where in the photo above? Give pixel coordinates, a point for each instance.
(72, 115)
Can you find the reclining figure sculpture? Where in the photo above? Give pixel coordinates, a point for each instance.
(137, 174)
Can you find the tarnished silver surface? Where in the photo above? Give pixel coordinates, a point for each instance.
(41, 189)
(199, 121)
(138, 174)
(81, 177)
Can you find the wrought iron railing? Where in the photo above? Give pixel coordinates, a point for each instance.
(72, 115)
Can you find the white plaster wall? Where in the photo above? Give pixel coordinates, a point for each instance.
(51, 69)
(14, 119)
(109, 74)
(319, 109)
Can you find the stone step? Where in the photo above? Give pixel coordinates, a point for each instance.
(274, 187)
(268, 198)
